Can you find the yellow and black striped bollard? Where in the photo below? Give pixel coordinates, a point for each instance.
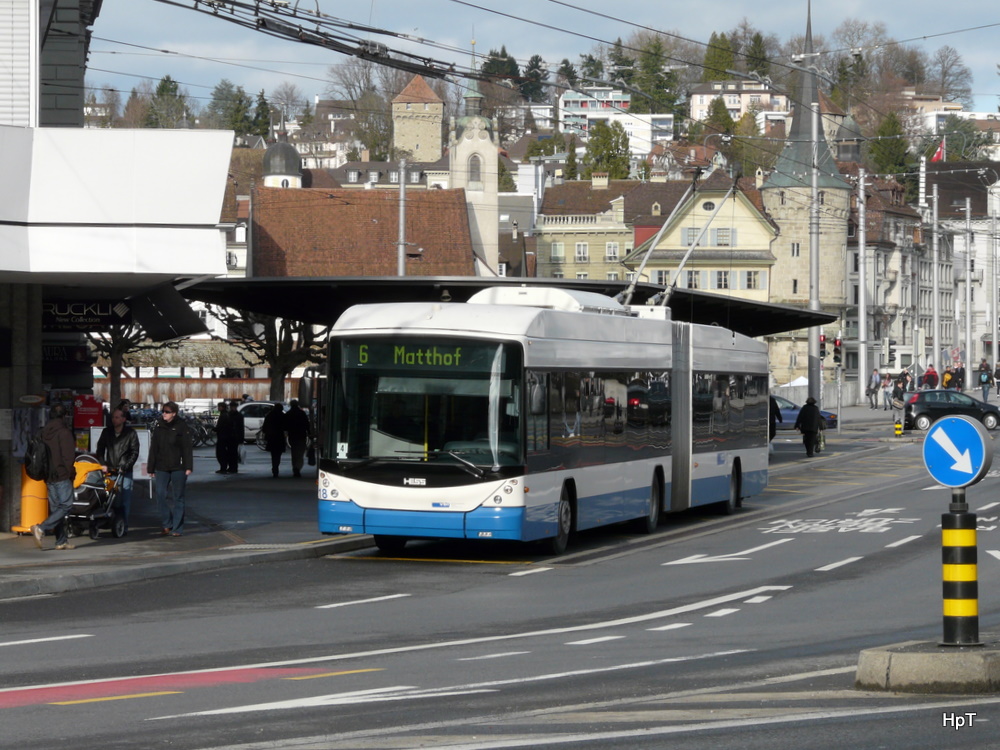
(960, 584)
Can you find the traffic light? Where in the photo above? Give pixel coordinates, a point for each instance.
(822, 345)
(836, 351)
(891, 353)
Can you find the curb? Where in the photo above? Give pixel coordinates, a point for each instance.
(230, 556)
(924, 667)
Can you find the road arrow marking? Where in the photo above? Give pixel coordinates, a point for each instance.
(963, 461)
(734, 556)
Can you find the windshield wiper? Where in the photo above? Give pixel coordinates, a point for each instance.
(466, 464)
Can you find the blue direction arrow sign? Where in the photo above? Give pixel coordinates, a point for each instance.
(958, 451)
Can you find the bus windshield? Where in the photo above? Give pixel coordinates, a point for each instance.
(421, 399)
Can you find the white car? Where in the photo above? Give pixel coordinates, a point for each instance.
(253, 417)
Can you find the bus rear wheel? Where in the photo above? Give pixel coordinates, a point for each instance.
(392, 545)
(735, 500)
(564, 524)
(647, 524)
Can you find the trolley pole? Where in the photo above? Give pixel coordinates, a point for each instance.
(959, 576)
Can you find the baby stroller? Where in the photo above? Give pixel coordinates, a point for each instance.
(95, 499)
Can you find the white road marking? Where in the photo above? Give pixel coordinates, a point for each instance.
(903, 541)
(994, 552)
(722, 612)
(363, 601)
(831, 566)
(756, 600)
(988, 505)
(590, 641)
(493, 656)
(26, 598)
(658, 615)
(408, 692)
(529, 572)
(724, 558)
(671, 626)
(45, 640)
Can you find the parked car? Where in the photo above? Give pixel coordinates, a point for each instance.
(925, 407)
(790, 412)
(253, 417)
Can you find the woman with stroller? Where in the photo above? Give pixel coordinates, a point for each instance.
(118, 450)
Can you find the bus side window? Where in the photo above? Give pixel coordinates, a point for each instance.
(536, 394)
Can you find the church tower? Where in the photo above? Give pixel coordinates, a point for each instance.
(474, 163)
(417, 118)
(787, 198)
(282, 165)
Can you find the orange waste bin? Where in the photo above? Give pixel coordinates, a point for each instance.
(34, 503)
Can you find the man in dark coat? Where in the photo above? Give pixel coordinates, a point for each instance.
(236, 438)
(62, 452)
(170, 463)
(809, 423)
(274, 436)
(297, 427)
(223, 436)
(118, 450)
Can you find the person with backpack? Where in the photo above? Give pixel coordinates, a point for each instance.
(985, 378)
(61, 450)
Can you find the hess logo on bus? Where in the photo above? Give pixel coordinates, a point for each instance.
(415, 481)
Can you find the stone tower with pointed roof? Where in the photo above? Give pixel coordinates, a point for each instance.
(474, 164)
(787, 197)
(417, 119)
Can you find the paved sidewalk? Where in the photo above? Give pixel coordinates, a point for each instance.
(253, 518)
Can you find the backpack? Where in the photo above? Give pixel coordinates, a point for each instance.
(984, 377)
(37, 459)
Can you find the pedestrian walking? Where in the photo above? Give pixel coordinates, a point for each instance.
(984, 376)
(874, 384)
(930, 379)
(274, 436)
(948, 379)
(809, 423)
(223, 436)
(297, 427)
(170, 463)
(118, 450)
(959, 379)
(887, 386)
(59, 483)
(237, 436)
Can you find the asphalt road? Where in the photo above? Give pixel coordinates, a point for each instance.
(723, 632)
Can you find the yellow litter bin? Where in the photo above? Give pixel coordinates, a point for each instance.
(34, 503)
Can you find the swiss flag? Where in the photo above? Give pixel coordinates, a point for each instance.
(939, 154)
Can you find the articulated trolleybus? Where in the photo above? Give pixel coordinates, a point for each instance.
(531, 413)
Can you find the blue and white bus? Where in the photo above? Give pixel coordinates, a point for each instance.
(529, 413)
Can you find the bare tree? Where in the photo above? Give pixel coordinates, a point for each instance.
(949, 77)
(114, 344)
(280, 344)
(288, 99)
(136, 110)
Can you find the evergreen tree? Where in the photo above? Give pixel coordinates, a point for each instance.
(757, 61)
(307, 115)
(659, 85)
(591, 67)
(167, 105)
(505, 183)
(718, 58)
(500, 66)
(567, 74)
(570, 169)
(607, 151)
(888, 150)
(535, 75)
(621, 67)
(261, 117)
(719, 120)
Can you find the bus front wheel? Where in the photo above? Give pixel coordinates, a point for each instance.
(735, 500)
(647, 524)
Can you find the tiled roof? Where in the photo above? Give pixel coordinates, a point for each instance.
(314, 232)
(246, 168)
(417, 91)
(579, 197)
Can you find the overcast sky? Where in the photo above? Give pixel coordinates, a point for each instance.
(198, 50)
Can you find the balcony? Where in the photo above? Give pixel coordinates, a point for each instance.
(977, 275)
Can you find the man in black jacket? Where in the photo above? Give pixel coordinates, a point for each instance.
(170, 463)
(809, 423)
(118, 450)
